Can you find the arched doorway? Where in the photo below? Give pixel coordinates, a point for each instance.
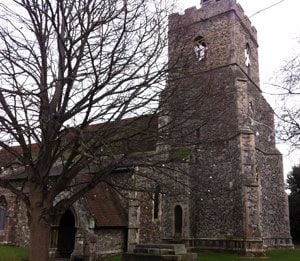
(66, 234)
(178, 221)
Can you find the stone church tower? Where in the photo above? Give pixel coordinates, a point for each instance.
(217, 115)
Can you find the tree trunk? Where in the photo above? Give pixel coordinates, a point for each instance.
(39, 237)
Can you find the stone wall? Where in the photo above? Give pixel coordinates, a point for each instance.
(216, 204)
(149, 226)
(106, 242)
(179, 196)
(143, 225)
(16, 229)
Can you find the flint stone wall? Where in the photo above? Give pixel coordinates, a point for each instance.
(16, 230)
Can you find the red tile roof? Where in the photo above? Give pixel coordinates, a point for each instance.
(7, 158)
(106, 207)
(137, 134)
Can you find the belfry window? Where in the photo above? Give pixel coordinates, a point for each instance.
(247, 55)
(3, 212)
(200, 48)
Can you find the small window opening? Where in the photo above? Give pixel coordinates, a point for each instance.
(156, 202)
(247, 56)
(251, 106)
(200, 48)
(176, 179)
(257, 174)
(198, 133)
(3, 212)
(270, 138)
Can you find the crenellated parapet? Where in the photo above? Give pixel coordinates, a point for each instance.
(210, 9)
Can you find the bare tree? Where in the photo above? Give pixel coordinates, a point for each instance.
(65, 65)
(288, 90)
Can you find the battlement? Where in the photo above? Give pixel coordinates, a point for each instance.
(210, 9)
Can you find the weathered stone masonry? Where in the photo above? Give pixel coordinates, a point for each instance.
(239, 202)
(219, 130)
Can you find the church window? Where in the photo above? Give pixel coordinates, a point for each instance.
(251, 106)
(178, 220)
(200, 48)
(3, 212)
(247, 55)
(258, 175)
(156, 202)
(198, 133)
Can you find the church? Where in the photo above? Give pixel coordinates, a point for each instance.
(226, 190)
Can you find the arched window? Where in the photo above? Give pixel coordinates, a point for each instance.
(178, 220)
(200, 48)
(247, 55)
(3, 212)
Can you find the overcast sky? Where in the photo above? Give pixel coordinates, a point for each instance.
(278, 37)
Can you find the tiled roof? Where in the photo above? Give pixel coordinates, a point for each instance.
(135, 135)
(129, 135)
(106, 207)
(7, 158)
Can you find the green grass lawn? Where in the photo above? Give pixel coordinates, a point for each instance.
(276, 255)
(10, 253)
